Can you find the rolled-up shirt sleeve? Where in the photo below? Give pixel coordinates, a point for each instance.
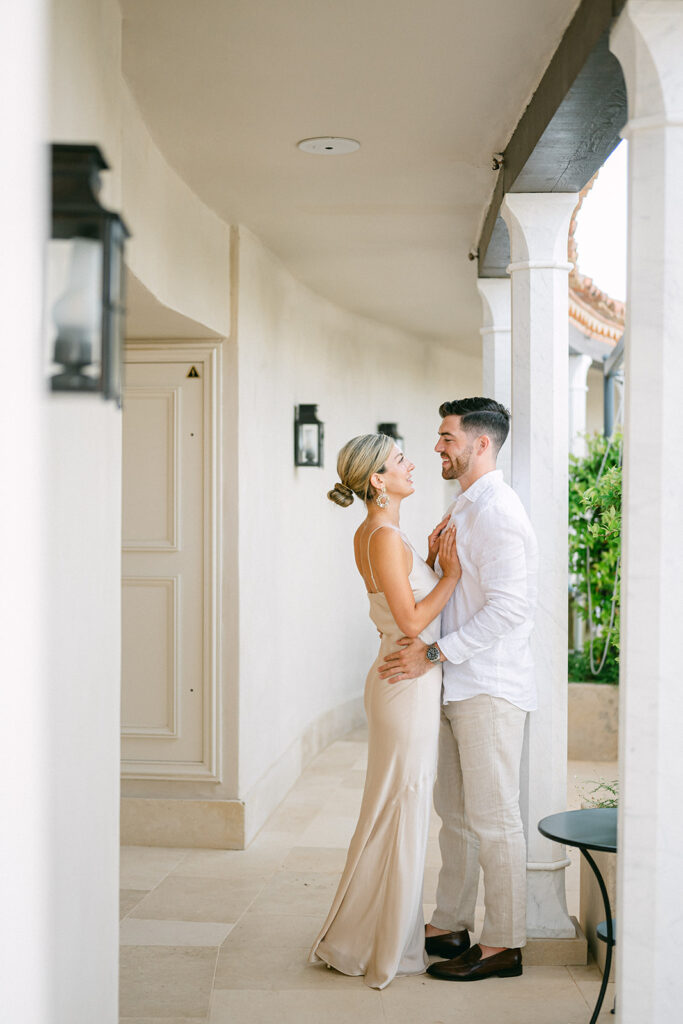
(499, 551)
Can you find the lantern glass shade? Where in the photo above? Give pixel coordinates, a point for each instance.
(308, 436)
(85, 303)
(391, 430)
(74, 277)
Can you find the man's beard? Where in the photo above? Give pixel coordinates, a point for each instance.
(454, 470)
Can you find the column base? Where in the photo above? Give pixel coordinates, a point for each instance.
(207, 824)
(570, 952)
(547, 916)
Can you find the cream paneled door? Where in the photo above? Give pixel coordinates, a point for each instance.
(169, 610)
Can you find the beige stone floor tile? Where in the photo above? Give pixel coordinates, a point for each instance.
(340, 756)
(342, 802)
(292, 817)
(260, 930)
(229, 864)
(129, 898)
(315, 782)
(166, 981)
(296, 892)
(143, 867)
(268, 843)
(588, 980)
(316, 858)
(535, 998)
(262, 964)
(315, 1007)
(136, 931)
(283, 968)
(354, 779)
(162, 1020)
(326, 830)
(181, 898)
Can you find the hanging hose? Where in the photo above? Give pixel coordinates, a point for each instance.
(592, 629)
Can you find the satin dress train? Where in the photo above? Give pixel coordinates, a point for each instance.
(375, 926)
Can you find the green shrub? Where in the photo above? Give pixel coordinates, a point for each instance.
(580, 669)
(595, 555)
(604, 794)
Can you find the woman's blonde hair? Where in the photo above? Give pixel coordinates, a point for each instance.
(357, 461)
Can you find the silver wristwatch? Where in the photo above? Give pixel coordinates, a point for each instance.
(433, 653)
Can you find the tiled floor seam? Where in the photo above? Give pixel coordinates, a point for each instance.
(213, 982)
(577, 986)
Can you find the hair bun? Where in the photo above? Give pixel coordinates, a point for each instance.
(341, 495)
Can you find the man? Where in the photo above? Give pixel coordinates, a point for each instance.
(488, 689)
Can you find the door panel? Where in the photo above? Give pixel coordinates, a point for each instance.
(151, 454)
(169, 628)
(150, 630)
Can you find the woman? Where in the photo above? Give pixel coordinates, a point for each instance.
(375, 926)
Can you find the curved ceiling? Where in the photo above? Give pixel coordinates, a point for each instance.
(430, 88)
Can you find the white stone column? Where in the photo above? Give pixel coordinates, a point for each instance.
(579, 365)
(648, 40)
(28, 936)
(496, 352)
(538, 225)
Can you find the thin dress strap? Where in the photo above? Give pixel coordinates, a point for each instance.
(388, 526)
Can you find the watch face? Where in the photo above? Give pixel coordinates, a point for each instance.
(433, 653)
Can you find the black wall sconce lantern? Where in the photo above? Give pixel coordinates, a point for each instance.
(309, 435)
(85, 277)
(391, 430)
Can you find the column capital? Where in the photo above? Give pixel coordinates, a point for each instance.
(538, 224)
(496, 302)
(647, 40)
(579, 365)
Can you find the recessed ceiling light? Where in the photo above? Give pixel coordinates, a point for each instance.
(328, 145)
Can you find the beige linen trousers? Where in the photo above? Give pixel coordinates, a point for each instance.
(477, 798)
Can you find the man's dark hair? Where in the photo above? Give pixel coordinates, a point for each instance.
(480, 416)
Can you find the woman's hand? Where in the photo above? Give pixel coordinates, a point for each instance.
(433, 541)
(448, 555)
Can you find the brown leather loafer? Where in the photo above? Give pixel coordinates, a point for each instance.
(471, 967)
(450, 945)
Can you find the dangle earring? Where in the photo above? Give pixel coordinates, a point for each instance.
(382, 499)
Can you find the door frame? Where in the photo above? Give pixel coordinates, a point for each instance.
(206, 356)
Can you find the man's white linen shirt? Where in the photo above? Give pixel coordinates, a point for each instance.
(487, 622)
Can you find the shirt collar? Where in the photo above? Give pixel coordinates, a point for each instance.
(479, 487)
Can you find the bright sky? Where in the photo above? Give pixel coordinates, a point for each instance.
(601, 227)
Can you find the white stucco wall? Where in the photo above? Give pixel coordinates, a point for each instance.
(305, 640)
(59, 601)
(82, 526)
(180, 250)
(28, 934)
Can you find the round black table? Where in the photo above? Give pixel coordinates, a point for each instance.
(594, 828)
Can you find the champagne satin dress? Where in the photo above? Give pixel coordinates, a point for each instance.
(375, 926)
